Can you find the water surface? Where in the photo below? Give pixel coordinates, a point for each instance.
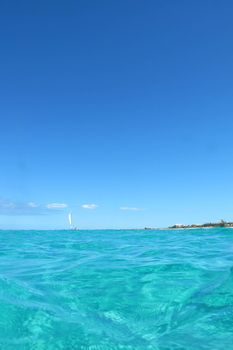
(161, 290)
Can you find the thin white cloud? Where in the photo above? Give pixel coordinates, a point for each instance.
(131, 208)
(89, 206)
(56, 205)
(9, 205)
(32, 205)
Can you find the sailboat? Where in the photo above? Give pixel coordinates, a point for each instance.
(71, 222)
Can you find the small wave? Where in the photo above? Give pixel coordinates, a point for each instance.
(116, 290)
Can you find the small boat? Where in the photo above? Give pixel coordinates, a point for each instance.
(72, 227)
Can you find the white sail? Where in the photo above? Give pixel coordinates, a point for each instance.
(70, 219)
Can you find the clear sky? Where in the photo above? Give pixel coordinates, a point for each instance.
(125, 107)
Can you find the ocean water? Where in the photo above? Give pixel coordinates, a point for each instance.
(126, 290)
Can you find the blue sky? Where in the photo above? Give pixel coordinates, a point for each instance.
(123, 105)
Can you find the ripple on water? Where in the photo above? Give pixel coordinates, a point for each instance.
(160, 290)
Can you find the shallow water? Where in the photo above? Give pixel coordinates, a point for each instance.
(160, 290)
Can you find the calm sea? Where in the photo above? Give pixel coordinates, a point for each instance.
(110, 290)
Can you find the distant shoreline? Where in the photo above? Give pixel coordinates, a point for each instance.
(220, 224)
(170, 228)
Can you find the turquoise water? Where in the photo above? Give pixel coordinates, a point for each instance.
(98, 290)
